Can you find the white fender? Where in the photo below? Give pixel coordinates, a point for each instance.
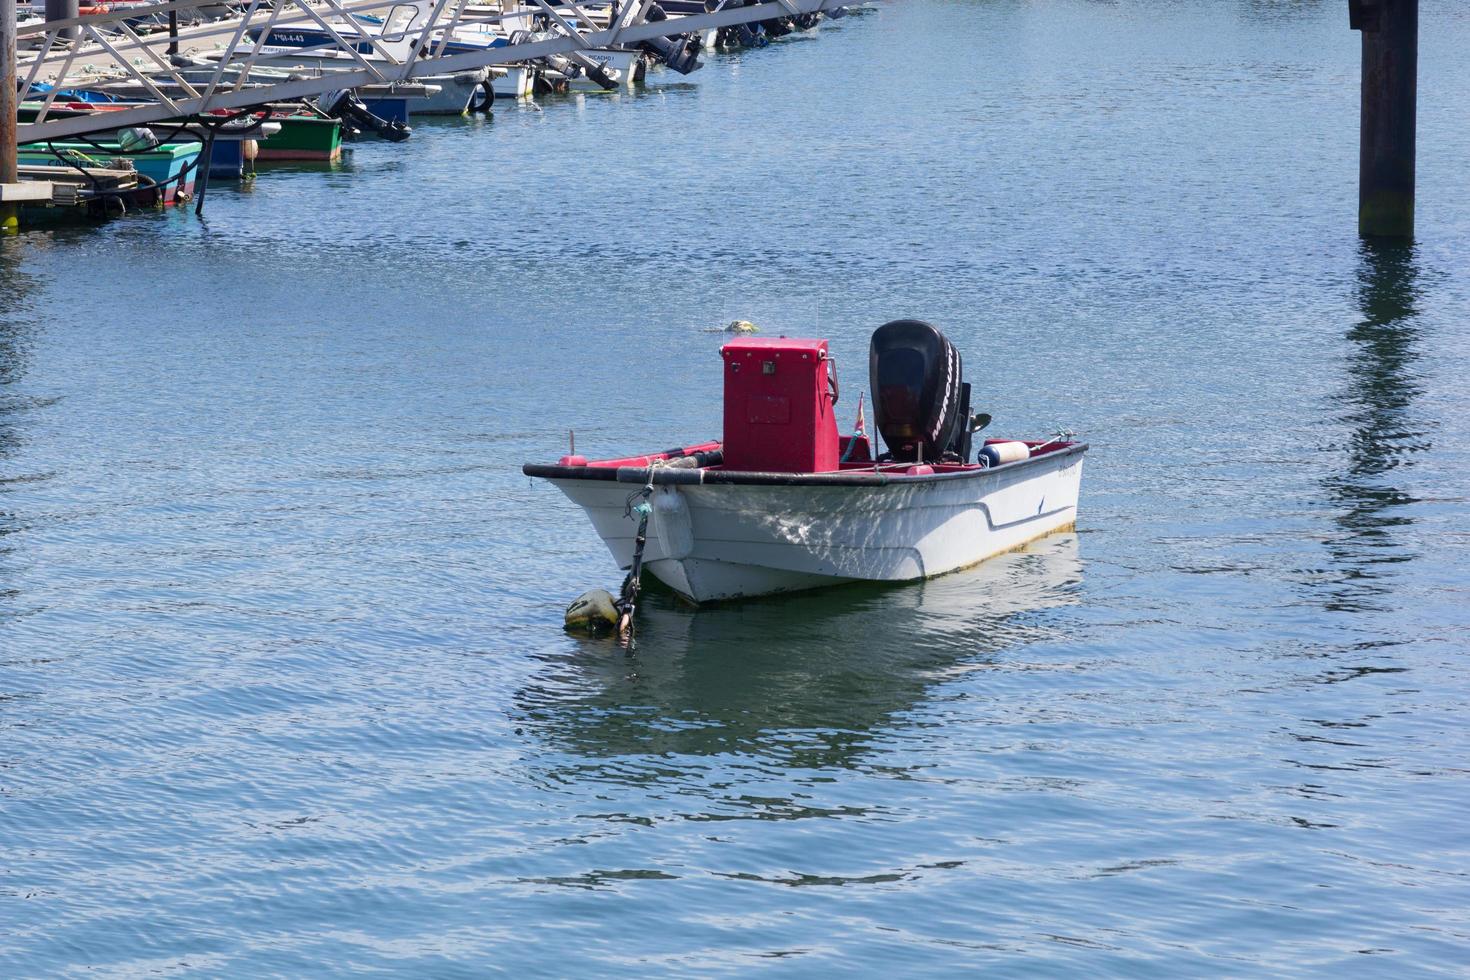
(671, 512)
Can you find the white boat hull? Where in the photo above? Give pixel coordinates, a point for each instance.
(453, 97)
(712, 541)
(515, 82)
(624, 62)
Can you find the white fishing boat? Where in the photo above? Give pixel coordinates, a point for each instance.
(625, 66)
(514, 82)
(783, 502)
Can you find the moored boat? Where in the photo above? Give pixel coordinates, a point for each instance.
(305, 135)
(783, 502)
(296, 131)
(166, 171)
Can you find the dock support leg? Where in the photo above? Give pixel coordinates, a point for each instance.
(1390, 30)
(9, 172)
(201, 182)
(63, 10)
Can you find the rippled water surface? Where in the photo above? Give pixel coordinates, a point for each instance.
(283, 688)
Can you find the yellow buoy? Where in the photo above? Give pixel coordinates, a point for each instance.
(592, 612)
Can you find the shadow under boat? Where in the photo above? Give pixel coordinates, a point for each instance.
(806, 677)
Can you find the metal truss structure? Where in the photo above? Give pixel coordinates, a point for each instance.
(63, 53)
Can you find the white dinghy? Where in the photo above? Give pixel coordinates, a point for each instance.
(785, 503)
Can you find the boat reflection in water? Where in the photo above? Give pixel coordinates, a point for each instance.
(806, 680)
(17, 336)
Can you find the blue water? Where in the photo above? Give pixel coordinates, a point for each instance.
(283, 688)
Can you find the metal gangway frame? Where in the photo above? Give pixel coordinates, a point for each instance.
(143, 58)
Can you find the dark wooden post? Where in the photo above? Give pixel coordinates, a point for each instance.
(9, 173)
(1390, 31)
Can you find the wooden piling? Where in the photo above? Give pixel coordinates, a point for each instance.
(9, 171)
(1390, 30)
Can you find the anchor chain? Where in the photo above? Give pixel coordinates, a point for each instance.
(627, 603)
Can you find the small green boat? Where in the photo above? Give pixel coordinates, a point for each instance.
(303, 137)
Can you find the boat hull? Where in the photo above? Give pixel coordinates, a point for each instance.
(715, 541)
(515, 82)
(162, 165)
(454, 95)
(625, 62)
(303, 138)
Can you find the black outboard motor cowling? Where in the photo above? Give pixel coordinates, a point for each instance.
(679, 52)
(920, 400)
(345, 105)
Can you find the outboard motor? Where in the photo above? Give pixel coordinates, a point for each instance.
(573, 64)
(920, 401)
(750, 35)
(344, 104)
(778, 26)
(597, 71)
(680, 52)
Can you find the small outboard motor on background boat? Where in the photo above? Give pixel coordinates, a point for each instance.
(574, 69)
(746, 35)
(680, 52)
(573, 64)
(778, 26)
(345, 105)
(597, 71)
(921, 402)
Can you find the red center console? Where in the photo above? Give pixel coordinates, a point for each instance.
(779, 406)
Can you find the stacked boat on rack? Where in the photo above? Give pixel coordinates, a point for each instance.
(114, 169)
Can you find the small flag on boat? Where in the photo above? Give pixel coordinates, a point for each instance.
(860, 428)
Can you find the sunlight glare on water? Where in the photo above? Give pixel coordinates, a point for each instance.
(283, 685)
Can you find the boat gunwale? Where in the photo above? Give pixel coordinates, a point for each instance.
(704, 476)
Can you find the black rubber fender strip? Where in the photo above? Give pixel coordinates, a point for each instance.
(661, 475)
